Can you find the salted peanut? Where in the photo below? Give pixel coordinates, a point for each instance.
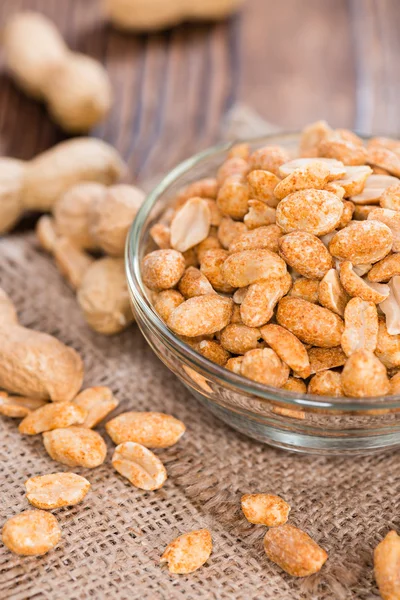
(361, 212)
(72, 262)
(210, 243)
(229, 230)
(188, 552)
(311, 136)
(216, 214)
(150, 429)
(139, 465)
(18, 407)
(190, 225)
(265, 366)
(201, 315)
(166, 302)
(387, 566)
(314, 175)
(46, 233)
(259, 215)
(239, 339)
(395, 384)
(54, 415)
(288, 347)
(354, 180)
(75, 447)
(345, 150)
(235, 365)
(391, 218)
(56, 490)
(203, 188)
(233, 167)
(239, 295)
(98, 402)
(244, 268)
(360, 326)
(233, 198)
(261, 238)
(374, 187)
(388, 346)
(385, 269)
(337, 170)
(391, 306)
(391, 197)
(356, 286)
(312, 324)
(213, 351)
(162, 269)
(307, 289)
(161, 235)
(364, 376)
(335, 188)
(258, 305)
(314, 211)
(265, 509)
(361, 270)
(326, 383)
(385, 142)
(362, 242)
(211, 267)
(306, 254)
(331, 293)
(239, 151)
(294, 551)
(191, 259)
(236, 317)
(292, 385)
(262, 185)
(269, 158)
(31, 533)
(194, 283)
(384, 158)
(322, 359)
(347, 215)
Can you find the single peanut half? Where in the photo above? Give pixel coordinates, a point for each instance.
(265, 509)
(98, 402)
(75, 447)
(387, 566)
(54, 415)
(188, 552)
(139, 465)
(31, 533)
(150, 429)
(18, 407)
(56, 490)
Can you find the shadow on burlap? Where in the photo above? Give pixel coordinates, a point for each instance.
(112, 542)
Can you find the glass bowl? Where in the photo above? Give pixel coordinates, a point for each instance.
(299, 422)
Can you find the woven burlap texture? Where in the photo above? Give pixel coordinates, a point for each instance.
(112, 542)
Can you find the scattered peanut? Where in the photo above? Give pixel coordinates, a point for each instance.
(387, 566)
(18, 407)
(56, 490)
(188, 552)
(265, 509)
(31, 533)
(140, 466)
(150, 429)
(51, 416)
(75, 447)
(98, 402)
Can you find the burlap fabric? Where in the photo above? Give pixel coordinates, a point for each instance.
(112, 542)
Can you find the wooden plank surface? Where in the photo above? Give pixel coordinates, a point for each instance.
(292, 61)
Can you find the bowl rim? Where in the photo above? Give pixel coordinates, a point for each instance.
(186, 353)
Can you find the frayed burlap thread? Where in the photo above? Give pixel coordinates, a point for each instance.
(113, 540)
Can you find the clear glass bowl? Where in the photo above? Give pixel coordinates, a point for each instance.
(300, 422)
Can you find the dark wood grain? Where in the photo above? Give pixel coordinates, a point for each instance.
(292, 61)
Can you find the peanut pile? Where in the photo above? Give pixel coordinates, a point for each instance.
(286, 270)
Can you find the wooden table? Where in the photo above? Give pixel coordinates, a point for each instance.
(293, 61)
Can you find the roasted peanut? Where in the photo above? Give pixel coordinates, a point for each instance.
(259, 215)
(306, 254)
(313, 176)
(161, 235)
(18, 407)
(385, 269)
(140, 466)
(391, 218)
(190, 225)
(361, 326)
(354, 181)
(194, 283)
(244, 268)
(266, 237)
(356, 286)
(235, 364)
(232, 167)
(166, 302)
(31, 533)
(239, 339)
(288, 347)
(362, 242)
(230, 230)
(52, 416)
(387, 565)
(331, 293)
(162, 269)
(374, 188)
(211, 265)
(326, 383)
(265, 509)
(337, 170)
(75, 447)
(311, 136)
(388, 346)
(150, 429)
(233, 198)
(292, 385)
(56, 490)
(391, 306)
(262, 185)
(347, 215)
(312, 324)
(364, 375)
(294, 551)
(269, 158)
(98, 402)
(265, 366)
(261, 298)
(345, 150)
(384, 158)
(307, 289)
(201, 315)
(395, 384)
(213, 351)
(188, 552)
(315, 211)
(202, 188)
(391, 197)
(210, 243)
(322, 359)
